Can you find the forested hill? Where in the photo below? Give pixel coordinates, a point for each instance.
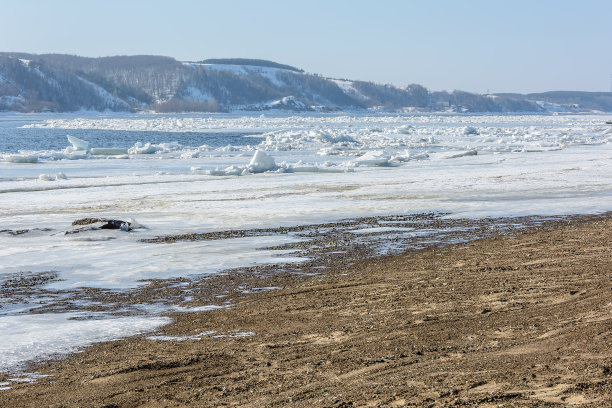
(63, 83)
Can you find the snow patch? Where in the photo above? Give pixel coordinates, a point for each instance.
(110, 101)
(63, 333)
(197, 95)
(194, 309)
(182, 338)
(268, 72)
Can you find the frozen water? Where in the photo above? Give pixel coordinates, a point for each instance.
(78, 144)
(118, 260)
(32, 337)
(261, 162)
(108, 151)
(21, 158)
(372, 158)
(180, 174)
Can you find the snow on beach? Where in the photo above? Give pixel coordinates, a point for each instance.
(28, 337)
(204, 173)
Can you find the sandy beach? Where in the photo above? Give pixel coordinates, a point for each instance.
(520, 319)
(332, 204)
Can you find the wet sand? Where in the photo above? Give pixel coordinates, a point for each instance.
(520, 319)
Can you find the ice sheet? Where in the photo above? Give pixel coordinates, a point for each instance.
(115, 259)
(33, 337)
(316, 168)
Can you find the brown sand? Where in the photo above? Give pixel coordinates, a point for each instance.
(507, 321)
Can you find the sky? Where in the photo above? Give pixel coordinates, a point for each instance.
(476, 46)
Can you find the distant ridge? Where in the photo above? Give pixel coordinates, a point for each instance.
(250, 62)
(577, 100)
(68, 83)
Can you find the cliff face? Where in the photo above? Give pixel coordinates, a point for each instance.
(54, 82)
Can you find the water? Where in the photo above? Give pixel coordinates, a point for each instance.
(197, 175)
(15, 138)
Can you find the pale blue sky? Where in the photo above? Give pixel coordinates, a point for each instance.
(501, 46)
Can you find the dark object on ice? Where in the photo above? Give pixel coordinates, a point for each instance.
(117, 224)
(106, 224)
(609, 122)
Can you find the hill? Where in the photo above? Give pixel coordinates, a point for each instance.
(63, 83)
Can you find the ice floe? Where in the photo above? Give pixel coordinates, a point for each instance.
(261, 162)
(20, 158)
(77, 144)
(372, 158)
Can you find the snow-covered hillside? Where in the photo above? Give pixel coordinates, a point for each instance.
(53, 82)
(27, 85)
